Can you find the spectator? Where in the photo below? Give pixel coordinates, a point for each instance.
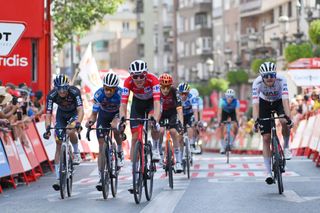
(316, 101)
(7, 103)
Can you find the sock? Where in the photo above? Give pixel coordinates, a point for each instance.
(181, 154)
(155, 144)
(192, 141)
(286, 141)
(119, 147)
(177, 154)
(57, 170)
(75, 148)
(267, 163)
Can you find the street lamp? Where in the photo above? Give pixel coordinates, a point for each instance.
(309, 6)
(284, 29)
(299, 34)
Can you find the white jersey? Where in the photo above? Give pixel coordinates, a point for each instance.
(279, 90)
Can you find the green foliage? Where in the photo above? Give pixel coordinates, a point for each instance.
(219, 84)
(237, 77)
(255, 65)
(74, 17)
(294, 51)
(314, 32)
(316, 52)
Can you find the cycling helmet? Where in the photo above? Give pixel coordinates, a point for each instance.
(184, 87)
(267, 68)
(194, 92)
(165, 79)
(61, 80)
(138, 66)
(230, 92)
(111, 80)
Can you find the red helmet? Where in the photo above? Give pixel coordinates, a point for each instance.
(165, 79)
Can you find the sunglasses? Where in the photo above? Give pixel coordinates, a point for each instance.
(63, 88)
(165, 87)
(229, 96)
(269, 75)
(109, 89)
(140, 76)
(185, 93)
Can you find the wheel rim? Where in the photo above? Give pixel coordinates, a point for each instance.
(137, 176)
(148, 176)
(62, 172)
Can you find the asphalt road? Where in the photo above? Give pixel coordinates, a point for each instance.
(214, 187)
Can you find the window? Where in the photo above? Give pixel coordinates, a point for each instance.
(280, 10)
(289, 9)
(141, 27)
(141, 50)
(272, 16)
(140, 6)
(100, 46)
(201, 20)
(217, 3)
(125, 26)
(34, 59)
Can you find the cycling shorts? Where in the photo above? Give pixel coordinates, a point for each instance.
(63, 119)
(138, 110)
(225, 115)
(188, 119)
(104, 121)
(173, 120)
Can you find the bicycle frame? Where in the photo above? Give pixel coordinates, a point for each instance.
(169, 142)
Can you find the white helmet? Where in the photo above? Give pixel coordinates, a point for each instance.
(267, 68)
(138, 66)
(111, 80)
(230, 92)
(194, 92)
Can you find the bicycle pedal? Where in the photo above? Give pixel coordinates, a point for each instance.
(75, 163)
(155, 160)
(99, 188)
(131, 191)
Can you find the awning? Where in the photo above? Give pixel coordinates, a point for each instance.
(305, 77)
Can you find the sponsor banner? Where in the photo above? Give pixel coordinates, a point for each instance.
(307, 133)
(10, 33)
(50, 144)
(28, 148)
(314, 140)
(4, 164)
(36, 143)
(12, 154)
(298, 135)
(23, 157)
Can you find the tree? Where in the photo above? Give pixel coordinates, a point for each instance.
(237, 77)
(255, 65)
(314, 32)
(219, 84)
(296, 51)
(74, 17)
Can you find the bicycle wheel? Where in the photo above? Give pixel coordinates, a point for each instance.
(70, 174)
(188, 156)
(228, 152)
(62, 172)
(105, 178)
(114, 171)
(137, 172)
(170, 164)
(148, 170)
(277, 166)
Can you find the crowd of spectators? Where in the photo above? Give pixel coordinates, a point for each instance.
(19, 105)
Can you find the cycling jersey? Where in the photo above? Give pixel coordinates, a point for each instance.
(170, 102)
(102, 102)
(229, 108)
(189, 104)
(278, 91)
(66, 104)
(151, 89)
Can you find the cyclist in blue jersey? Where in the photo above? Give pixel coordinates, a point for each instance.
(229, 108)
(190, 111)
(198, 123)
(106, 107)
(69, 114)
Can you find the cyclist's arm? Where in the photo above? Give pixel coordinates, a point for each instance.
(156, 99)
(255, 99)
(238, 111)
(286, 107)
(285, 98)
(194, 102)
(49, 107)
(180, 114)
(48, 120)
(156, 104)
(80, 114)
(220, 110)
(125, 98)
(255, 111)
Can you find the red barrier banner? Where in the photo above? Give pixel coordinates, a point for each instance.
(36, 143)
(27, 146)
(23, 157)
(12, 154)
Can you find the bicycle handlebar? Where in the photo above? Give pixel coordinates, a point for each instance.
(100, 128)
(274, 118)
(66, 128)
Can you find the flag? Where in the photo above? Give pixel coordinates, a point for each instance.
(89, 72)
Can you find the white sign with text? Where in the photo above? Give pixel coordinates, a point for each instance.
(10, 33)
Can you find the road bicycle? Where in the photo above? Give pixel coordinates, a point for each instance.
(169, 152)
(109, 165)
(228, 139)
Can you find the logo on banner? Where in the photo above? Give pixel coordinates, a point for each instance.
(9, 36)
(14, 61)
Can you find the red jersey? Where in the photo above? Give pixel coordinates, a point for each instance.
(171, 101)
(151, 89)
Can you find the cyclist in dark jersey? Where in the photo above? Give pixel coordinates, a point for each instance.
(69, 114)
(171, 110)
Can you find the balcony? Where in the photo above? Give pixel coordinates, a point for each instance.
(251, 5)
(196, 7)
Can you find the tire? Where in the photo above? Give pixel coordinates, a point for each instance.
(114, 172)
(228, 152)
(170, 164)
(188, 157)
(279, 179)
(70, 175)
(105, 178)
(148, 170)
(62, 172)
(277, 167)
(137, 172)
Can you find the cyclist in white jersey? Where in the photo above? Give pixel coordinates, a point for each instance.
(270, 92)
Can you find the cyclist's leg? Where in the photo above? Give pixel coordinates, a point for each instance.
(135, 113)
(265, 130)
(73, 136)
(162, 130)
(118, 139)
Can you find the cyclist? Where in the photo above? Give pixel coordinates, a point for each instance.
(229, 108)
(171, 110)
(69, 114)
(106, 107)
(270, 92)
(146, 96)
(190, 111)
(198, 125)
